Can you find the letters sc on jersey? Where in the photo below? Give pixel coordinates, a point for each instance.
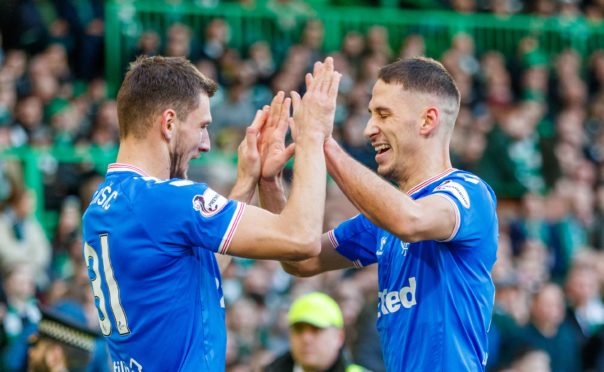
(435, 297)
(149, 247)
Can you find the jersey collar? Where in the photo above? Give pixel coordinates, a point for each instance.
(123, 167)
(430, 180)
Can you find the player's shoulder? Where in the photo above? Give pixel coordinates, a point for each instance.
(143, 184)
(164, 193)
(466, 187)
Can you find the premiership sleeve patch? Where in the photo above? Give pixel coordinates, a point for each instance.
(457, 190)
(209, 203)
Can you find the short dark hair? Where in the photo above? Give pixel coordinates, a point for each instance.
(421, 74)
(154, 84)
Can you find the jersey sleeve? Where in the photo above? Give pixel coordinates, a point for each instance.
(474, 205)
(190, 214)
(355, 239)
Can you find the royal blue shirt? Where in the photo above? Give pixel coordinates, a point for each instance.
(149, 246)
(435, 297)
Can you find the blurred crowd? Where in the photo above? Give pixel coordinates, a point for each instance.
(531, 124)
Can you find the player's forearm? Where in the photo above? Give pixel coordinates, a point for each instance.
(383, 204)
(272, 195)
(305, 207)
(243, 190)
(303, 269)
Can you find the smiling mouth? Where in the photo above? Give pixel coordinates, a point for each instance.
(380, 149)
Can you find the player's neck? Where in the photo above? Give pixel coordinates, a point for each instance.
(418, 172)
(153, 160)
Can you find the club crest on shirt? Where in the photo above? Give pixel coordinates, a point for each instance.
(209, 203)
(457, 190)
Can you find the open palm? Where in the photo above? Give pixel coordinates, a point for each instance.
(273, 152)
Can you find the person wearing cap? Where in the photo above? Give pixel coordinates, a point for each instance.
(63, 342)
(316, 337)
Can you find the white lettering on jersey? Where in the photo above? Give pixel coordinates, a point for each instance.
(122, 366)
(209, 203)
(221, 297)
(104, 197)
(404, 247)
(471, 178)
(457, 190)
(380, 250)
(391, 302)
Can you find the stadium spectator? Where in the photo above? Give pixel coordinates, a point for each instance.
(585, 309)
(316, 337)
(23, 239)
(548, 331)
(20, 318)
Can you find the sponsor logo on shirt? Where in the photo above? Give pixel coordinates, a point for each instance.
(124, 366)
(457, 190)
(209, 203)
(390, 302)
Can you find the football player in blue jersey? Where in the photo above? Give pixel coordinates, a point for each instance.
(150, 235)
(434, 237)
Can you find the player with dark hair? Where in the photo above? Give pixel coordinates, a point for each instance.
(434, 237)
(150, 234)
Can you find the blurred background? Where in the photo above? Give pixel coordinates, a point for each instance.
(531, 75)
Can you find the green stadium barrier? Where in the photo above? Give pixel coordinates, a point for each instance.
(281, 26)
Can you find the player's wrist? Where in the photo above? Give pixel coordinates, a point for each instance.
(310, 138)
(274, 183)
(330, 145)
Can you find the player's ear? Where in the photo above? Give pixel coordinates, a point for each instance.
(168, 124)
(430, 121)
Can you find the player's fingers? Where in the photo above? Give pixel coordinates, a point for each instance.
(327, 75)
(334, 84)
(308, 79)
(275, 111)
(292, 127)
(282, 125)
(259, 120)
(289, 151)
(317, 68)
(317, 77)
(296, 101)
(251, 138)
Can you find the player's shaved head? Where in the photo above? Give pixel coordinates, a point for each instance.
(423, 75)
(426, 76)
(154, 84)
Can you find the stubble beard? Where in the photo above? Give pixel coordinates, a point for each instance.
(177, 170)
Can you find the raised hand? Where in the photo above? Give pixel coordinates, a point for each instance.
(271, 143)
(314, 113)
(248, 163)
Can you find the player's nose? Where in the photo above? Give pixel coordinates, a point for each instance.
(204, 144)
(370, 129)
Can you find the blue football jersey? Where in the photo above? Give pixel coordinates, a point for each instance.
(435, 297)
(149, 246)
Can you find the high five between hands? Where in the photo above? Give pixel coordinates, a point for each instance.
(263, 154)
